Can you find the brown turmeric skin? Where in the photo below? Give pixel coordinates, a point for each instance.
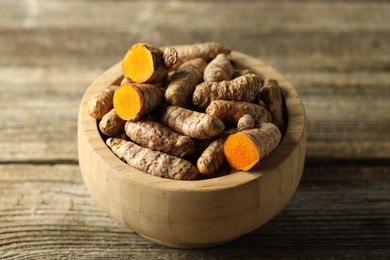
(145, 63)
(212, 157)
(158, 137)
(219, 69)
(183, 82)
(241, 72)
(230, 112)
(153, 162)
(271, 95)
(245, 149)
(243, 88)
(134, 101)
(100, 103)
(206, 51)
(111, 124)
(191, 123)
(170, 57)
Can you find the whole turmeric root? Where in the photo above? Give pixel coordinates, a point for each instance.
(243, 88)
(230, 112)
(153, 162)
(183, 82)
(145, 63)
(206, 51)
(191, 123)
(159, 137)
(100, 103)
(245, 149)
(270, 94)
(133, 101)
(219, 69)
(212, 157)
(111, 124)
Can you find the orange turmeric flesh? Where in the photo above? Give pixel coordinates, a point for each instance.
(127, 102)
(240, 151)
(138, 64)
(245, 149)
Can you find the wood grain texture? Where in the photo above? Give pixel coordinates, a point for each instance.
(46, 212)
(334, 50)
(39, 112)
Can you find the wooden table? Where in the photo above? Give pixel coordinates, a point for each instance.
(336, 53)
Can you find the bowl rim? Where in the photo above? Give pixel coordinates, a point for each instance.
(295, 132)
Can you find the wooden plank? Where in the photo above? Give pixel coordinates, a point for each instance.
(39, 112)
(347, 113)
(46, 212)
(231, 15)
(336, 53)
(320, 34)
(102, 47)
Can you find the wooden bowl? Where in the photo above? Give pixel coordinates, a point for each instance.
(193, 214)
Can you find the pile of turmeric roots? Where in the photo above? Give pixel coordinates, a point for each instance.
(187, 113)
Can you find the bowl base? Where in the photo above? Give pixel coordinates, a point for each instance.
(185, 245)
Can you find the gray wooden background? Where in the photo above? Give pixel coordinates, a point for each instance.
(336, 54)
